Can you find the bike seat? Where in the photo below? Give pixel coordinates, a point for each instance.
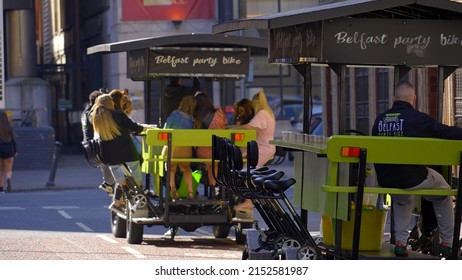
(259, 180)
(279, 186)
(261, 170)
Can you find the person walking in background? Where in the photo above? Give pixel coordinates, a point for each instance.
(208, 117)
(8, 151)
(264, 123)
(113, 127)
(402, 120)
(175, 92)
(181, 118)
(88, 133)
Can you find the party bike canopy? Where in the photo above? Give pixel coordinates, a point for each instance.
(201, 55)
(380, 32)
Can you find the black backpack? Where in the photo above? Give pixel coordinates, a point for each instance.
(93, 152)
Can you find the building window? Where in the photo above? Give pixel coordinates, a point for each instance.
(347, 98)
(56, 16)
(362, 99)
(382, 83)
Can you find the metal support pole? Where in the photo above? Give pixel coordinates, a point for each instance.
(54, 164)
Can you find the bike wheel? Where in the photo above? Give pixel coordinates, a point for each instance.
(118, 226)
(134, 231)
(221, 231)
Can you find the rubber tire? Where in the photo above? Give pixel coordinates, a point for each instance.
(118, 226)
(245, 253)
(221, 231)
(134, 231)
(241, 238)
(307, 253)
(174, 232)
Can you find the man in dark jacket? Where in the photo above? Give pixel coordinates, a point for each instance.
(87, 127)
(88, 134)
(175, 92)
(402, 120)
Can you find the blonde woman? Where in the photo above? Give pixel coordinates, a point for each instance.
(88, 133)
(7, 151)
(182, 118)
(114, 129)
(264, 123)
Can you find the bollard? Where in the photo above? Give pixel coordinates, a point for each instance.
(54, 164)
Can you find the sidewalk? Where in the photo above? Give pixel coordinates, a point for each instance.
(72, 172)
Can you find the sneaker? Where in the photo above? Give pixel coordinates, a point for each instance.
(117, 205)
(8, 185)
(150, 193)
(107, 188)
(168, 233)
(445, 249)
(401, 249)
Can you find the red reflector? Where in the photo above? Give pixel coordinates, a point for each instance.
(350, 151)
(239, 137)
(162, 136)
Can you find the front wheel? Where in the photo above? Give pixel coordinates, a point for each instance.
(134, 231)
(221, 231)
(118, 226)
(241, 237)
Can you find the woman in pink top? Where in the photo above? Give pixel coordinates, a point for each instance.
(264, 123)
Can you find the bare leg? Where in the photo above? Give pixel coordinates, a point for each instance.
(186, 169)
(1, 172)
(188, 178)
(8, 172)
(210, 178)
(173, 191)
(8, 167)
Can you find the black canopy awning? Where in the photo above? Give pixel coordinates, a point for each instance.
(257, 46)
(391, 9)
(401, 33)
(201, 55)
(381, 32)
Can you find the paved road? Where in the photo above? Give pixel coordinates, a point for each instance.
(50, 209)
(75, 225)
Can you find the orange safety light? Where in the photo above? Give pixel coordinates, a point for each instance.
(350, 151)
(162, 136)
(238, 136)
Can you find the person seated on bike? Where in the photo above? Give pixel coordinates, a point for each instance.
(88, 133)
(123, 102)
(243, 112)
(402, 120)
(208, 117)
(181, 118)
(174, 93)
(264, 123)
(114, 128)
